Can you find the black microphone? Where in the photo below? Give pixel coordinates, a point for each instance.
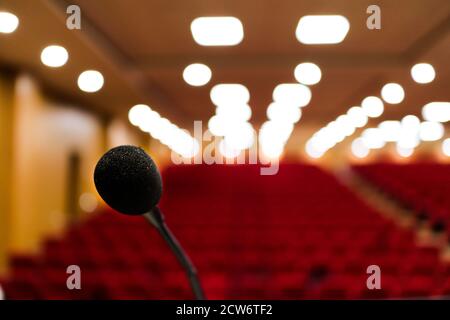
(128, 181)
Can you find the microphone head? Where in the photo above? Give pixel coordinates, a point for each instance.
(128, 180)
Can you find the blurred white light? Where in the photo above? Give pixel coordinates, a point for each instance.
(240, 137)
(308, 73)
(272, 151)
(431, 131)
(294, 94)
(321, 141)
(436, 111)
(170, 134)
(163, 130)
(90, 81)
(409, 136)
(234, 112)
(137, 114)
(275, 132)
(54, 56)
(358, 117)
(322, 29)
(373, 106)
(372, 138)
(423, 73)
(446, 147)
(217, 31)
(229, 93)
(390, 130)
(149, 121)
(227, 151)
(283, 113)
(392, 93)
(410, 122)
(8, 22)
(183, 144)
(359, 149)
(197, 74)
(408, 140)
(88, 202)
(312, 150)
(344, 124)
(404, 152)
(334, 133)
(218, 125)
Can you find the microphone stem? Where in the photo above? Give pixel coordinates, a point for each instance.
(156, 218)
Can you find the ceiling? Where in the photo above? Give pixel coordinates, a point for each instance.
(142, 47)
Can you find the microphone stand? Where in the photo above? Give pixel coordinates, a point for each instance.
(156, 218)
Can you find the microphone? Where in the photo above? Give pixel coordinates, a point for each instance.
(129, 181)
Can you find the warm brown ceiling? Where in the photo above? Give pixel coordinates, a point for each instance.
(142, 47)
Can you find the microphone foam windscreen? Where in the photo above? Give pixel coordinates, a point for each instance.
(128, 180)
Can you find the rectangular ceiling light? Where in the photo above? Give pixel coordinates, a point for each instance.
(322, 29)
(217, 31)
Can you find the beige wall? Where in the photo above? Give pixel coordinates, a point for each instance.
(45, 134)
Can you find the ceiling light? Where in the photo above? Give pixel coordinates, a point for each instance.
(358, 117)
(345, 124)
(217, 31)
(333, 133)
(372, 138)
(359, 149)
(234, 112)
(275, 132)
(431, 131)
(328, 136)
(404, 152)
(446, 147)
(90, 81)
(8, 22)
(218, 126)
(294, 94)
(322, 29)
(392, 93)
(137, 113)
(272, 151)
(150, 121)
(241, 136)
(390, 130)
(182, 143)
(161, 130)
(312, 150)
(283, 113)
(410, 122)
(372, 106)
(54, 56)
(409, 136)
(436, 111)
(423, 73)
(227, 151)
(197, 74)
(229, 93)
(308, 73)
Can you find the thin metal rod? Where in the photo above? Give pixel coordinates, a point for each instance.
(156, 218)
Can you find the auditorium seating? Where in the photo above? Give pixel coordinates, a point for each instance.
(424, 188)
(299, 234)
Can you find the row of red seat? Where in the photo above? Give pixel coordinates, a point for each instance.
(299, 234)
(423, 188)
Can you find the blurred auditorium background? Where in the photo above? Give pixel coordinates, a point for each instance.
(357, 117)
